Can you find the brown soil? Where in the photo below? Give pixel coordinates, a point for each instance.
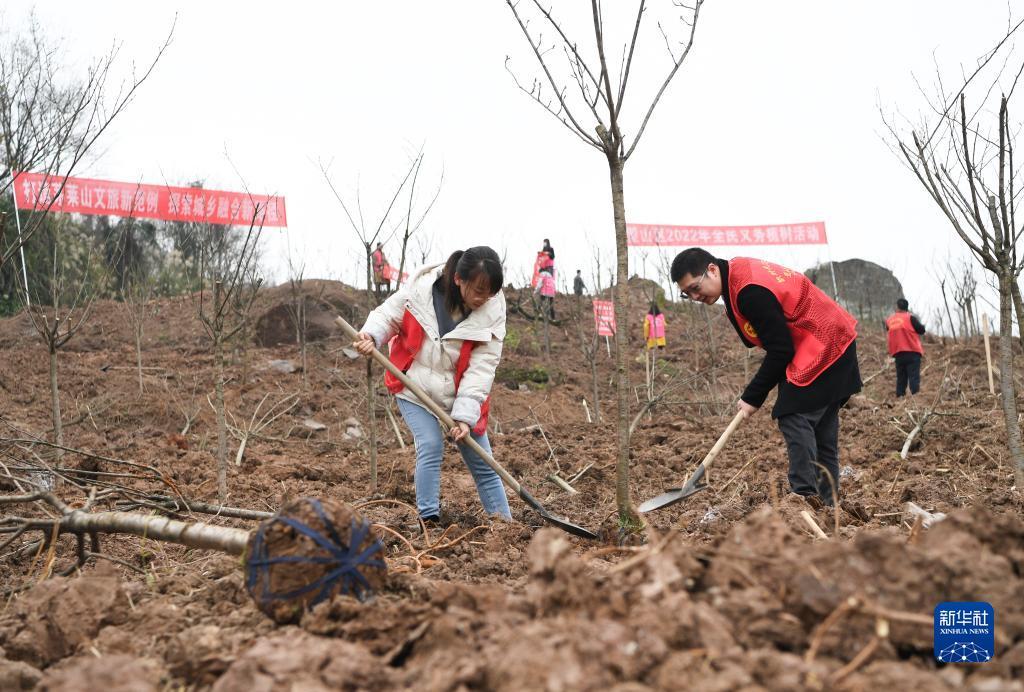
(724, 591)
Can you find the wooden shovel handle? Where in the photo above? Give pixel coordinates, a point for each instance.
(733, 424)
(430, 404)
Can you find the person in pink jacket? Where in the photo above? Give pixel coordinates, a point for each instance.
(654, 327)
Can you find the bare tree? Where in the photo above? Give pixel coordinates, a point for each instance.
(48, 123)
(411, 226)
(74, 283)
(965, 289)
(136, 289)
(964, 160)
(603, 103)
(425, 247)
(368, 235)
(229, 285)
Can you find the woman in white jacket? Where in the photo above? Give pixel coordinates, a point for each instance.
(445, 330)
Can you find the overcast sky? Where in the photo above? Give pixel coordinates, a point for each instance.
(774, 118)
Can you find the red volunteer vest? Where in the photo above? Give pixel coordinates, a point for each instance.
(403, 349)
(820, 328)
(902, 337)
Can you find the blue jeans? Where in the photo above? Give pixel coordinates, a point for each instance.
(426, 432)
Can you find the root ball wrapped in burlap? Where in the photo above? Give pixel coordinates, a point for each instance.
(309, 552)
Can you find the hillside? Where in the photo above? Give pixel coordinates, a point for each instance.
(726, 590)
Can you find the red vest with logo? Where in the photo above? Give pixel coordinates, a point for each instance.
(902, 337)
(403, 349)
(820, 328)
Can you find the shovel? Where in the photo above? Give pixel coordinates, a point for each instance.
(448, 422)
(694, 485)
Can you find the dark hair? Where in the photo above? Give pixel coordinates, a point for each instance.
(692, 261)
(902, 304)
(468, 265)
(654, 309)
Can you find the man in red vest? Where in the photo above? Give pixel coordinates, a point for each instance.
(810, 355)
(905, 347)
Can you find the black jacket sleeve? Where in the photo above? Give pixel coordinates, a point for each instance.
(916, 324)
(762, 308)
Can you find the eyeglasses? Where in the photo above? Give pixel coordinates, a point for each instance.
(690, 291)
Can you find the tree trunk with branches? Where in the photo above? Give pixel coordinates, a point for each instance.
(49, 126)
(969, 173)
(367, 237)
(604, 103)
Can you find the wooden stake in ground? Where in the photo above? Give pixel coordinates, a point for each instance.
(988, 354)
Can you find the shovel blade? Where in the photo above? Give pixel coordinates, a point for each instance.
(670, 497)
(550, 518)
(569, 527)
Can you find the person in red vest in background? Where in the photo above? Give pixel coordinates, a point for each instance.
(905, 347)
(379, 261)
(810, 345)
(654, 327)
(445, 331)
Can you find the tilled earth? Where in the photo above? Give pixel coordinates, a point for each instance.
(728, 590)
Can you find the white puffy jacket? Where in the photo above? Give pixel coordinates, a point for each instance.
(433, 368)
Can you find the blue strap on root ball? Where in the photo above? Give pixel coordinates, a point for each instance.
(308, 552)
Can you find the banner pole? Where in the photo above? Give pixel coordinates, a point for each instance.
(21, 246)
(832, 270)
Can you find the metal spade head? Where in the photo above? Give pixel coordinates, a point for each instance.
(670, 497)
(674, 495)
(554, 520)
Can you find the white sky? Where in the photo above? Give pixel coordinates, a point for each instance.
(773, 119)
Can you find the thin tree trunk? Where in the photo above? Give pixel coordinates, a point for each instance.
(138, 355)
(302, 347)
(595, 382)
(222, 426)
(949, 314)
(1018, 308)
(1006, 384)
(627, 515)
(401, 262)
(58, 432)
(371, 399)
(372, 412)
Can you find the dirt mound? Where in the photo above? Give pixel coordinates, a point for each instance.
(322, 301)
(18, 675)
(55, 617)
(116, 673)
(293, 659)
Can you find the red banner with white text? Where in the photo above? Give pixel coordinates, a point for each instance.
(811, 233)
(162, 202)
(604, 317)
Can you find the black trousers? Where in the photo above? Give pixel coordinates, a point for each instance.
(812, 443)
(908, 370)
